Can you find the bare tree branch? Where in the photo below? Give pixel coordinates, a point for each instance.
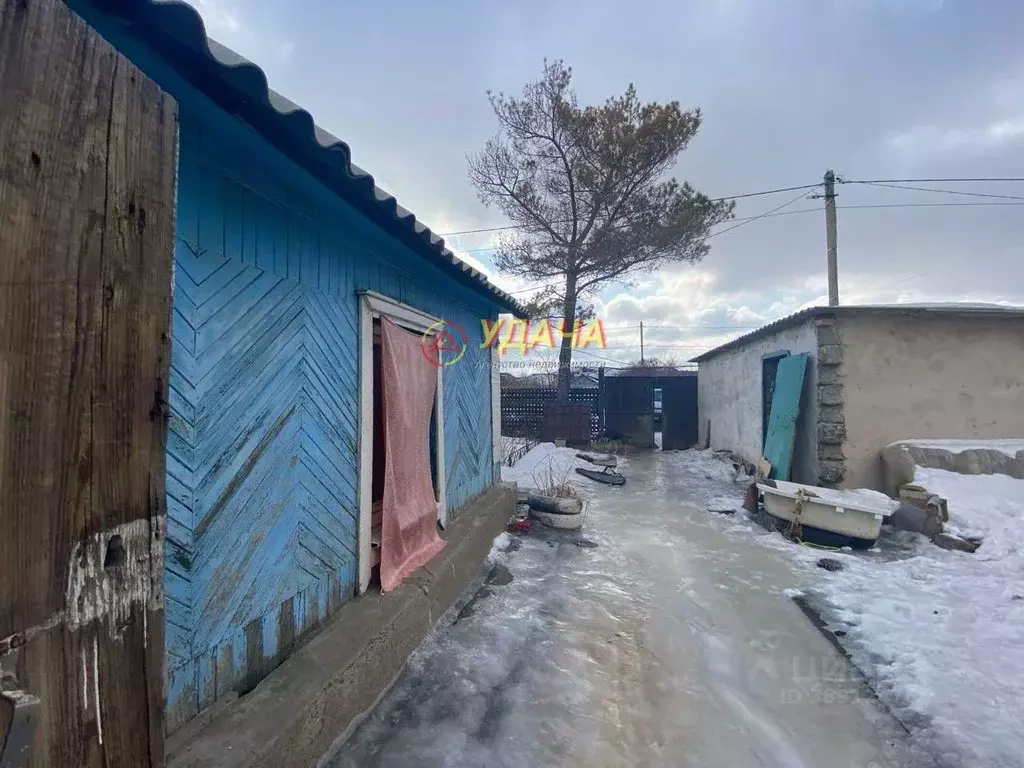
(585, 189)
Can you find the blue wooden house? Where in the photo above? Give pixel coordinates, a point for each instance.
(285, 254)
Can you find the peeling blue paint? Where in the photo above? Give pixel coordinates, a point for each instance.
(262, 450)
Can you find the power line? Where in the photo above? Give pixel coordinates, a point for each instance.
(687, 348)
(919, 205)
(932, 189)
(769, 215)
(929, 181)
(766, 192)
(475, 231)
(801, 196)
(534, 288)
(597, 357)
(739, 219)
(681, 327)
(716, 200)
(879, 182)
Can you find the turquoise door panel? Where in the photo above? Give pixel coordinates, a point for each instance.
(778, 444)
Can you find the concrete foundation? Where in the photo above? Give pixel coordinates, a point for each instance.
(302, 712)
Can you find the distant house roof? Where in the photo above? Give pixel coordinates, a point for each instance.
(176, 31)
(928, 310)
(547, 381)
(651, 372)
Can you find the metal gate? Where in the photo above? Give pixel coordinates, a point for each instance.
(679, 412)
(628, 404)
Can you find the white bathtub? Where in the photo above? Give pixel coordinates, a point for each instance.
(855, 515)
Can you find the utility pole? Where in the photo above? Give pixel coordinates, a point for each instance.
(830, 238)
(641, 342)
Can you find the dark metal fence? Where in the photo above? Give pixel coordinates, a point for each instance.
(569, 422)
(522, 410)
(629, 411)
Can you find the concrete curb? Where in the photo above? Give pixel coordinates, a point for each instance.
(814, 615)
(302, 711)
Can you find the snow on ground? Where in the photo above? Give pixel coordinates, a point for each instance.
(544, 462)
(1010, 447)
(712, 478)
(942, 631)
(707, 464)
(546, 465)
(499, 546)
(940, 634)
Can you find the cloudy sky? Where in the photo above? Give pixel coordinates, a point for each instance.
(877, 89)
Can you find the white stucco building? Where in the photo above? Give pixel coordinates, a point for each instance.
(875, 374)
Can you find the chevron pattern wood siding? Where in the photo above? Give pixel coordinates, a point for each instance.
(263, 455)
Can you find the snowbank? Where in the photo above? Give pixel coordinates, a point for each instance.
(1009, 447)
(547, 465)
(542, 462)
(990, 506)
(941, 633)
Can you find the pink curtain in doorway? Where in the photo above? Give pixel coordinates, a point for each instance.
(409, 524)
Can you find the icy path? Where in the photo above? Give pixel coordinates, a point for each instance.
(671, 644)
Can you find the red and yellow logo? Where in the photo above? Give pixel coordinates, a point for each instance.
(444, 343)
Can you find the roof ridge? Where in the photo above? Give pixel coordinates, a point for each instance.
(179, 25)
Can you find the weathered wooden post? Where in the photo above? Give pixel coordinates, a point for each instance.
(87, 184)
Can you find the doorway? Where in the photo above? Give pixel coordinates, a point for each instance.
(372, 443)
(769, 375)
(380, 456)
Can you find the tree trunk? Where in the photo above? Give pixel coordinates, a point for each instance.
(568, 333)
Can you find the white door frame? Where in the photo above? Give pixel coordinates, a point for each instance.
(497, 446)
(373, 305)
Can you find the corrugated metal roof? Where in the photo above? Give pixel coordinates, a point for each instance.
(930, 310)
(176, 31)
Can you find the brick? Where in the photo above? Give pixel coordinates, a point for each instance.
(831, 434)
(830, 394)
(831, 414)
(831, 472)
(827, 334)
(831, 452)
(829, 374)
(830, 354)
